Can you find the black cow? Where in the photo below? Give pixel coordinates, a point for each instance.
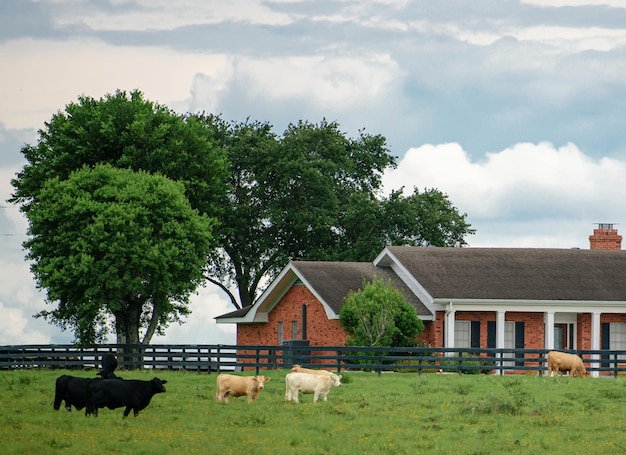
(73, 391)
(109, 364)
(113, 393)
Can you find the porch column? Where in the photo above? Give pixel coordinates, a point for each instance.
(595, 340)
(548, 319)
(500, 334)
(450, 316)
(500, 329)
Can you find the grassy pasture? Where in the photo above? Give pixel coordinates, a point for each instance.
(396, 413)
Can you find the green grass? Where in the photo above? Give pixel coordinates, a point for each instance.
(396, 413)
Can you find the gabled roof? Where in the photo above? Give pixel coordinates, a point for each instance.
(330, 282)
(514, 273)
(333, 280)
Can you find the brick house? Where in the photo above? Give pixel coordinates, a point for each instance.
(467, 297)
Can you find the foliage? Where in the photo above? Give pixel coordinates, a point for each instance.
(378, 315)
(109, 241)
(423, 414)
(313, 194)
(126, 132)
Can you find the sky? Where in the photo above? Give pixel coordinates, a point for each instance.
(513, 108)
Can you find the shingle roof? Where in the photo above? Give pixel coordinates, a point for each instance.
(526, 274)
(517, 273)
(333, 280)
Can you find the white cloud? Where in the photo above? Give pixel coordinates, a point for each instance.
(556, 194)
(142, 15)
(200, 327)
(560, 3)
(338, 83)
(44, 76)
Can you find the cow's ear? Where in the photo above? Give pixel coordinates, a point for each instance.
(267, 379)
(339, 376)
(164, 381)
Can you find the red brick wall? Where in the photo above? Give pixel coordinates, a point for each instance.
(324, 332)
(533, 326)
(320, 330)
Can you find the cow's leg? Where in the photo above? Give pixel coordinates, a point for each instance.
(127, 411)
(316, 395)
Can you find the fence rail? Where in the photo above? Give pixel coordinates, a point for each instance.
(216, 358)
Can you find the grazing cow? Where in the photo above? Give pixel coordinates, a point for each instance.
(72, 390)
(237, 386)
(561, 362)
(114, 393)
(299, 369)
(109, 364)
(317, 384)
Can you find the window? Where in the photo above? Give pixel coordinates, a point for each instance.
(617, 336)
(462, 334)
(280, 333)
(467, 334)
(513, 337)
(294, 330)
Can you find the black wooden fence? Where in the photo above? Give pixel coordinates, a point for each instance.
(216, 358)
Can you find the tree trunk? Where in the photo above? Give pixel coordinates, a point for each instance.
(127, 321)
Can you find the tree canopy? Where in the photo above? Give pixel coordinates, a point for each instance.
(378, 315)
(116, 249)
(126, 131)
(313, 194)
(113, 242)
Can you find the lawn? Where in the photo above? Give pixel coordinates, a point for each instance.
(395, 413)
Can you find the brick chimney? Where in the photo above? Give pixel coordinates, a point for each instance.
(605, 237)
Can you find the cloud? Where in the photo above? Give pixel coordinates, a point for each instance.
(94, 69)
(530, 195)
(561, 3)
(200, 327)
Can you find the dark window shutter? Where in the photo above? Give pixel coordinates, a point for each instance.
(491, 334)
(606, 335)
(519, 342)
(519, 335)
(475, 334)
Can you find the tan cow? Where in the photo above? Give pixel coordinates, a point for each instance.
(299, 369)
(237, 386)
(561, 362)
(317, 384)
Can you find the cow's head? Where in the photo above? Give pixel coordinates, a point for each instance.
(157, 385)
(336, 380)
(261, 380)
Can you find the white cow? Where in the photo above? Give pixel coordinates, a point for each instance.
(318, 385)
(237, 386)
(299, 369)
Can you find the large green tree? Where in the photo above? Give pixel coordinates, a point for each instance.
(117, 251)
(378, 315)
(127, 132)
(313, 194)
